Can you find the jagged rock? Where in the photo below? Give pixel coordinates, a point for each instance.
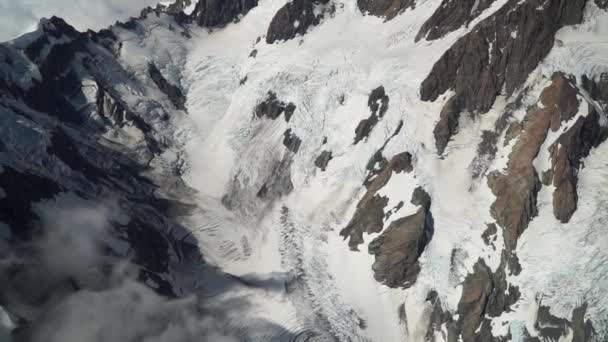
(566, 154)
(295, 18)
(603, 4)
(398, 248)
(387, 9)
(213, 13)
(291, 141)
(438, 318)
(516, 190)
(271, 107)
(172, 91)
(502, 297)
(489, 235)
(476, 290)
(597, 88)
(323, 160)
(570, 148)
(377, 163)
(368, 217)
(378, 105)
(450, 16)
(549, 326)
(582, 330)
(447, 125)
(484, 294)
(499, 53)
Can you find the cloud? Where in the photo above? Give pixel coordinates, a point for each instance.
(18, 17)
(101, 316)
(36, 282)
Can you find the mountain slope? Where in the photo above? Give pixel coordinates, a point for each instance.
(306, 170)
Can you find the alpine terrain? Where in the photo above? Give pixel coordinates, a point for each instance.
(308, 170)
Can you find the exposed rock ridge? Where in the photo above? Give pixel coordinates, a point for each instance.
(499, 53)
(295, 18)
(378, 105)
(551, 328)
(172, 91)
(450, 16)
(271, 107)
(516, 189)
(214, 13)
(571, 147)
(387, 9)
(398, 248)
(369, 216)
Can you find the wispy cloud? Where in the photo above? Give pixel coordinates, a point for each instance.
(18, 17)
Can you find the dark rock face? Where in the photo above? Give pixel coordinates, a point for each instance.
(574, 145)
(54, 145)
(172, 91)
(214, 13)
(583, 330)
(489, 235)
(551, 328)
(476, 290)
(398, 248)
(295, 18)
(603, 4)
(369, 216)
(387, 9)
(323, 160)
(378, 105)
(483, 294)
(450, 16)
(291, 141)
(516, 190)
(499, 52)
(447, 125)
(566, 154)
(271, 107)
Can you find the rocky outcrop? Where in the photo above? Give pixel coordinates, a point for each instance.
(450, 16)
(378, 105)
(566, 157)
(572, 146)
(291, 141)
(214, 13)
(323, 160)
(552, 328)
(271, 107)
(387, 9)
(476, 290)
(447, 125)
(173, 92)
(603, 4)
(295, 18)
(582, 329)
(516, 189)
(484, 294)
(369, 216)
(398, 248)
(499, 53)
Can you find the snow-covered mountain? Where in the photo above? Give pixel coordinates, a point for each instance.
(308, 170)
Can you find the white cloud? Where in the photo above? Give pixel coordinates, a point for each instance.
(18, 17)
